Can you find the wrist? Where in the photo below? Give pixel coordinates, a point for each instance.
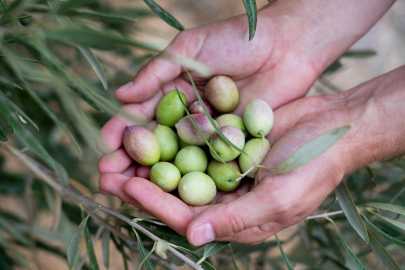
(321, 31)
(374, 110)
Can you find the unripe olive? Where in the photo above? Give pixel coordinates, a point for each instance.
(142, 145)
(165, 175)
(258, 117)
(191, 159)
(169, 143)
(189, 134)
(170, 110)
(224, 150)
(232, 120)
(197, 188)
(224, 177)
(196, 108)
(222, 93)
(254, 148)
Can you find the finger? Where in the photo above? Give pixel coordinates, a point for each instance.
(131, 170)
(143, 172)
(115, 162)
(227, 219)
(105, 192)
(150, 79)
(114, 183)
(110, 138)
(164, 206)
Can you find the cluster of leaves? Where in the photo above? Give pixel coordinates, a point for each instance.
(54, 96)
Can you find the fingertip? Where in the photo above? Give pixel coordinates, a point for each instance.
(143, 171)
(115, 162)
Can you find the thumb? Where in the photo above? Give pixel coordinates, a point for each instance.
(227, 219)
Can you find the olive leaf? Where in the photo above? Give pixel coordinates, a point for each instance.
(309, 150)
(90, 250)
(390, 220)
(350, 210)
(212, 248)
(251, 12)
(205, 265)
(383, 234)
(388, 207)
(382, 255)
(10, 83)
(105, 242)
(164, 15)
(353, 256)
(74, 246)
(145, 256)
(286, 260)
(3, 133)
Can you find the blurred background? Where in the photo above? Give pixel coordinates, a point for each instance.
(26, 200)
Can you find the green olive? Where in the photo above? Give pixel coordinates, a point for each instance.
(141, 145)
(258, 117)
(224, 177)
(197, 188)
(224, 150)
(170, 110)
(232, 120)
(257, 149)
(165, 175)
(222, 93)
(169, 143)
(191, 159)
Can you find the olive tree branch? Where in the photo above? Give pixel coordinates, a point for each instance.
(77, 198)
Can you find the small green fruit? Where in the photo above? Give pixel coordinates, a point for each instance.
(232, 120)
(170, 110)
(224, 177)
(191, 159)
(165, 175)
(258, 117)
(197, 188)
(224, 150)
(254, 149)
(169, 143)
(141, 145)
(222, 93)
(189, 134)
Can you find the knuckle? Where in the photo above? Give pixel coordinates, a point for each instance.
(235, 222)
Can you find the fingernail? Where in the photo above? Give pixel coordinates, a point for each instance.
(125, 87)
(202, 234)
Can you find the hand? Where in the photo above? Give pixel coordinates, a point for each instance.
(262, 207)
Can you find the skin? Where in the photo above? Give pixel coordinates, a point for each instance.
(294, 39)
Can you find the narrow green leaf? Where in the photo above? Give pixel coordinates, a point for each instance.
(86, 51)
(309, 150)
(5, 114)
(286, 260)
(68, 5)
(388, 207)
(360, 53)
(90, 250)
(100, 16)
(202, 135)
(124, 255)
(164, 15)
(213, 123)
(251, 12)
(10, 83)
(17, 109)
(13, 230)
(235, 264)
(104, 40)
(353, 256)
(74, 246)
(148, 263)
(3, 133)
(105, 241)
(383, 234)
(13, 10)
(211, 248)
(350, 210)
(205, 265)
(382, 255)
(390, 220)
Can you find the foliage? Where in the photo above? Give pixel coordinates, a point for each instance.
(58, 69)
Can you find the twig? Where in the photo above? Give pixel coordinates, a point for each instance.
(325, 215)
(71, 192)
